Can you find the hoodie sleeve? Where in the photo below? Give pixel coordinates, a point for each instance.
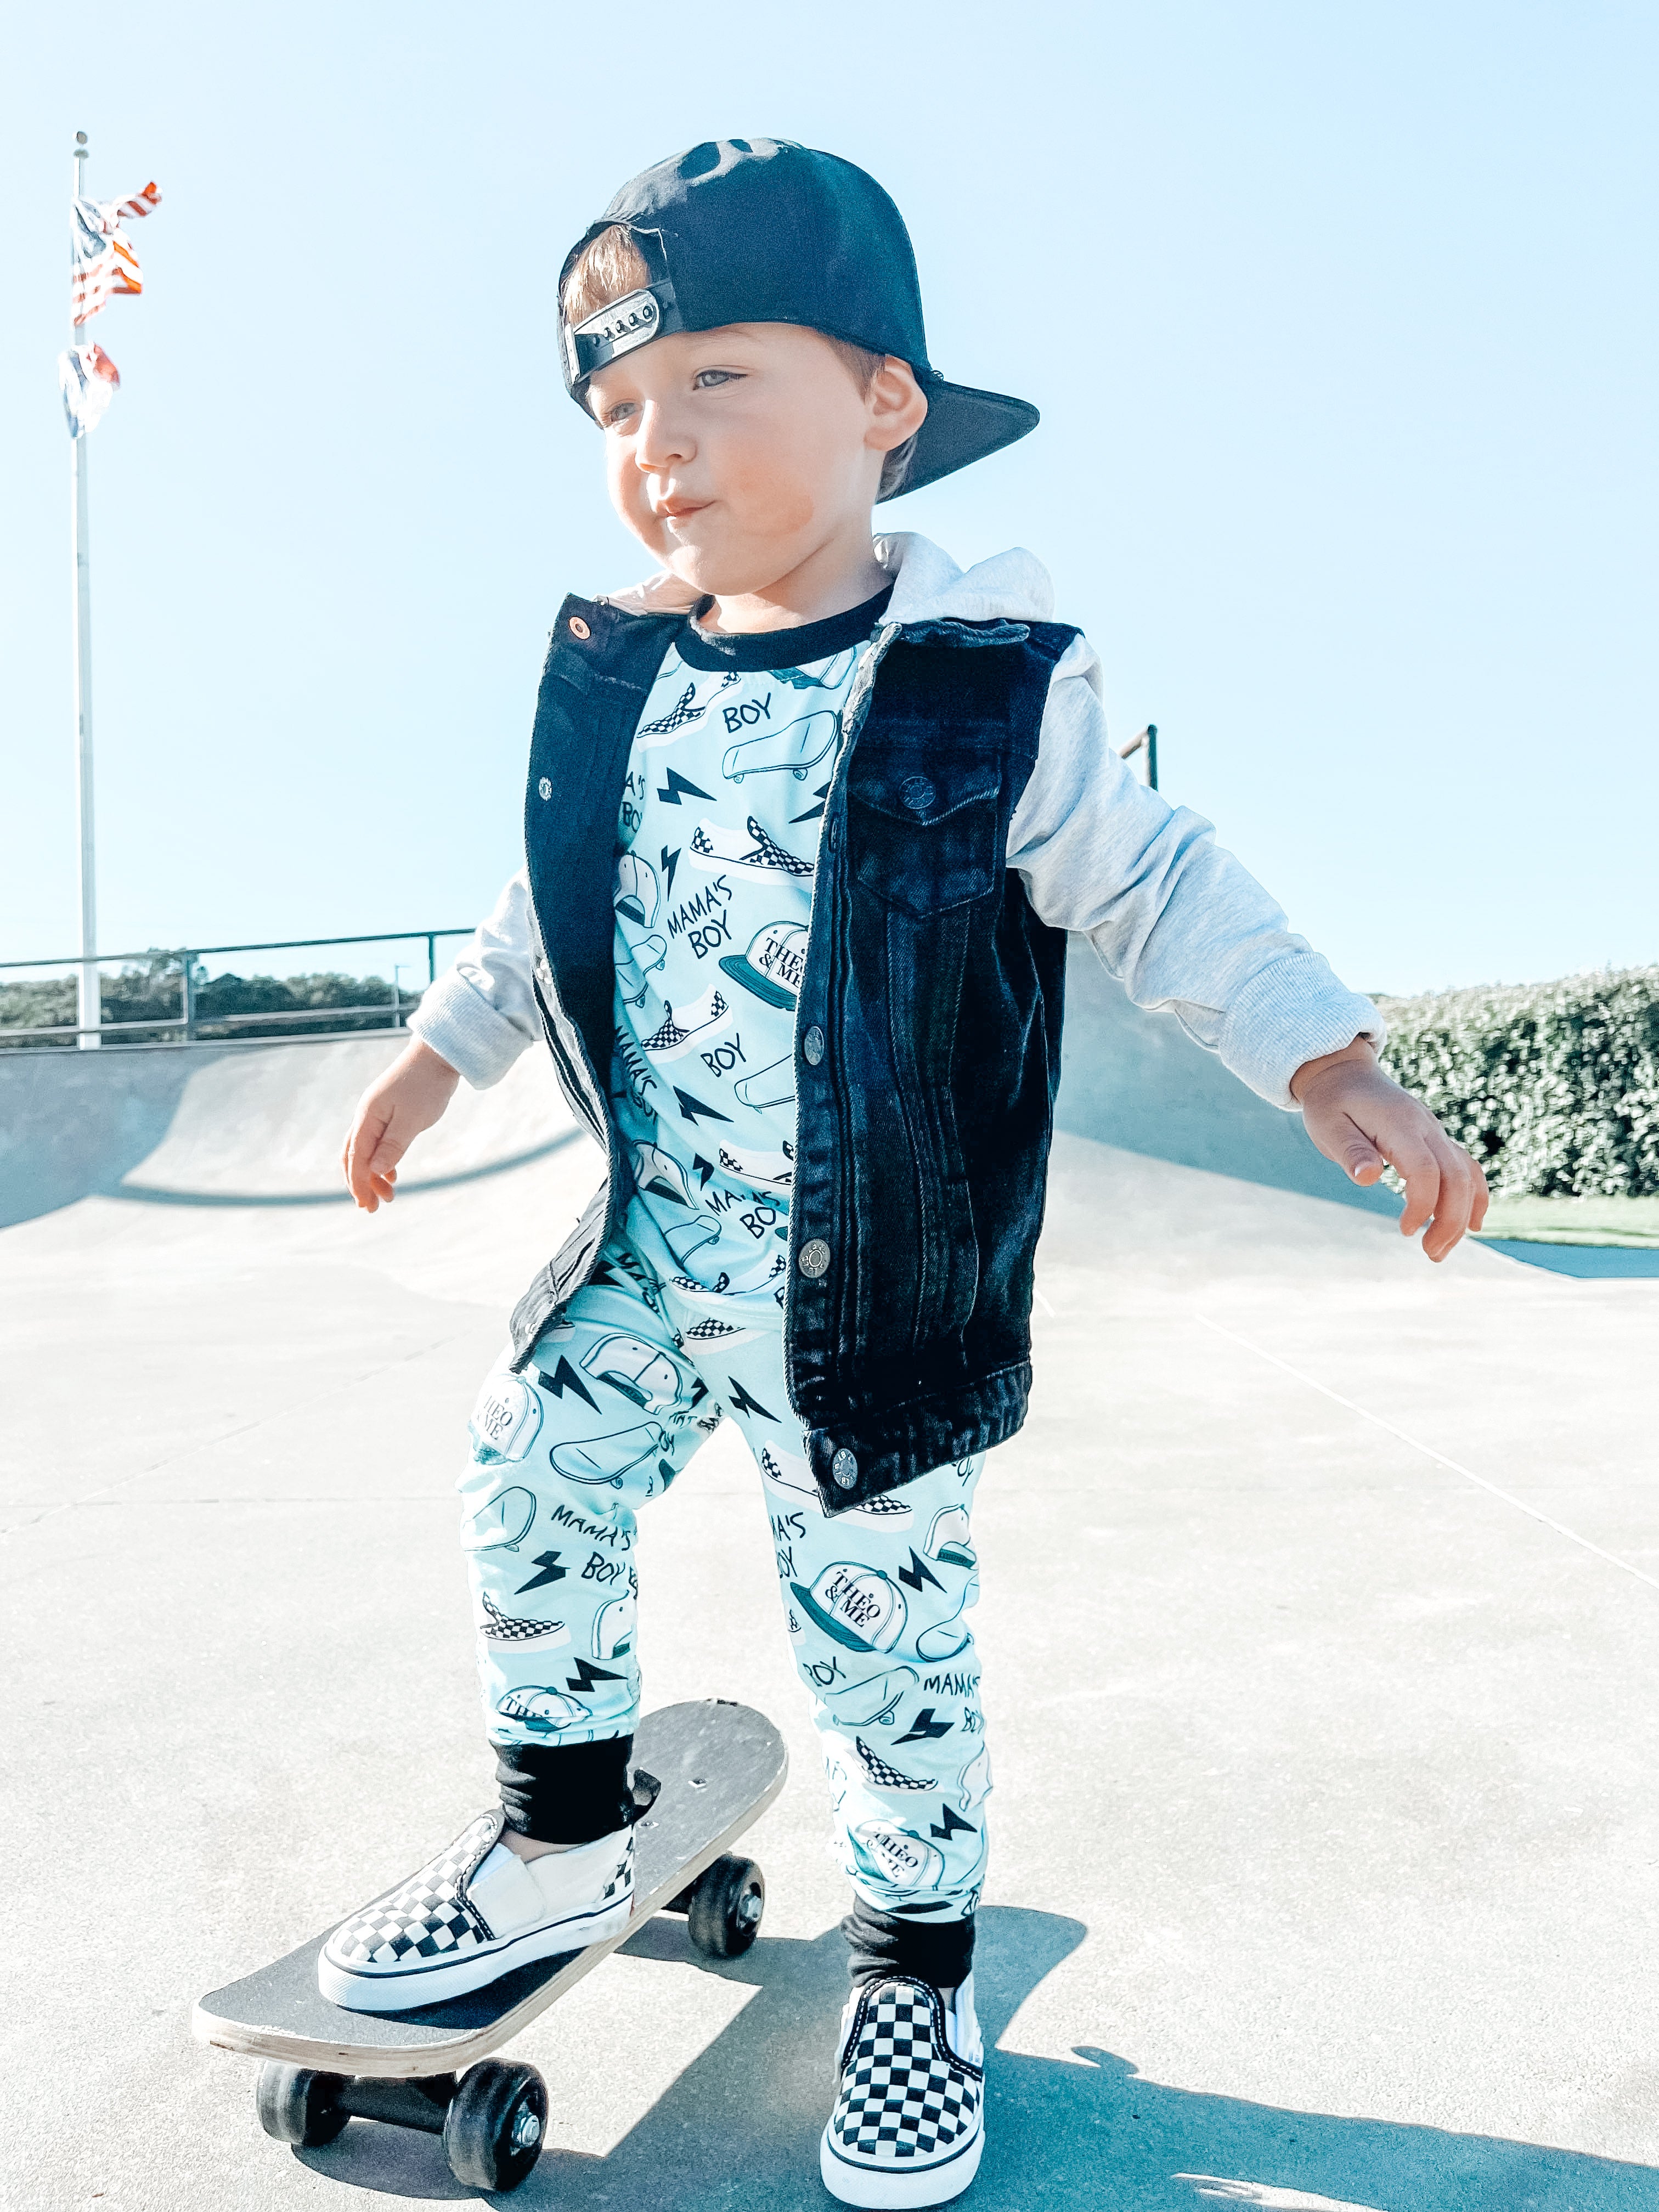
(482, 1013)
(1175, 918)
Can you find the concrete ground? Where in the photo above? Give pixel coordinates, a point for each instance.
(1320, 1628)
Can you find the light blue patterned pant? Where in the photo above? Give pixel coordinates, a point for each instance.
(619, 1395)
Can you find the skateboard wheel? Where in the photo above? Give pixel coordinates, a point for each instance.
(495, 2124)
(298, 2106)
(724, 1915)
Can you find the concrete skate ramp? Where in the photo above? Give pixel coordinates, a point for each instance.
(258, 1125)
(1320, 1634)
(1137, 1080)
(231, 1125)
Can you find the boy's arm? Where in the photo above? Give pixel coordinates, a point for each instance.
(473, 1023)
(482, 1014)
(1174, 917)
(1182, 925)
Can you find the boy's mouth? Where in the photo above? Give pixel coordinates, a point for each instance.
(676, 510)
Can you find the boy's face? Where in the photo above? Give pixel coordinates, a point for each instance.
(736, 454)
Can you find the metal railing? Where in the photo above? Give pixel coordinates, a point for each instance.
(1146, 743)
(191, 1023)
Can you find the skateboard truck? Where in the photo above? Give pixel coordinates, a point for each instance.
(492, 2118)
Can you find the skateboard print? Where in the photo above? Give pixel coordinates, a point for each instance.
(641, 1368)
(794, 749)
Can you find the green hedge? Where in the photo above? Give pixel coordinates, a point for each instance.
(1554, 1087)
(139, 995)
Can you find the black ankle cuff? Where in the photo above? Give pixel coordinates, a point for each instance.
(884, 1943)
(565, 1793)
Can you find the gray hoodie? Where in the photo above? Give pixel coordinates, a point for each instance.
(1174, 917)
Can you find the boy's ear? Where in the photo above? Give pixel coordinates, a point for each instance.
(897, 405)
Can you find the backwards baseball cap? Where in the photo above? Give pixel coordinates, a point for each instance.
(758, 230)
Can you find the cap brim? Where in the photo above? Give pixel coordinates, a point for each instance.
(963, 425)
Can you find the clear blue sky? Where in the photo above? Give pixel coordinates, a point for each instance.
(1342, 320)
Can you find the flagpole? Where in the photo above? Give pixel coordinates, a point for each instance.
(89, 1009)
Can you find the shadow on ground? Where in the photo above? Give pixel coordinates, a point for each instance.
(740, 2126)
(1590, 1262)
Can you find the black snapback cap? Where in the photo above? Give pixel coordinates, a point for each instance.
(759, 230)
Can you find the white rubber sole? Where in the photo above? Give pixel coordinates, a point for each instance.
(894, 2189)
(405, 1989)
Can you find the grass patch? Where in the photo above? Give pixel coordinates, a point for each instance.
(1627, 1221)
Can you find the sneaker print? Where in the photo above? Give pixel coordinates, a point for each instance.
(756, 854)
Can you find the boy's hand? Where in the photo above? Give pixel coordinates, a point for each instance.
(392, 1113)
(1363, 1119)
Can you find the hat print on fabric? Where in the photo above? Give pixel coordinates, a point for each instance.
(856, 1605)
(538, 1706)
(502, 1524)
(504, 1421)
(636, 1369)
(895, 1856)
(773, 966)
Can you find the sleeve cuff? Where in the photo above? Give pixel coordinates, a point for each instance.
(1290, 1013)
(462, 1027)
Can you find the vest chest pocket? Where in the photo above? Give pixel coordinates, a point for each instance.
(923, 833)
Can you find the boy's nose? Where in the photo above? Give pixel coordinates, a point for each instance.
(660, 444)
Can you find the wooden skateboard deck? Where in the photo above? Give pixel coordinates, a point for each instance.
(721, 1766)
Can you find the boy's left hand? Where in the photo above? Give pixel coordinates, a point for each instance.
(1363, 1119)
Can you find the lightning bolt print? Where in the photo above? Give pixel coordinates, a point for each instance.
(925, 1729)
(954, 1824)
(741, 1402)
(564, 1377)
(679, 787)
(551, 1571)
(812, 812)
(690, 1107)
(919, 1573)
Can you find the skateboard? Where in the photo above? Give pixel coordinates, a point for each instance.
(714, 1768)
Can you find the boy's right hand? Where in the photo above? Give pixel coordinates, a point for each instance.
(392, 1113)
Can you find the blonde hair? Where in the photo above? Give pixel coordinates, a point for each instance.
(611, 266)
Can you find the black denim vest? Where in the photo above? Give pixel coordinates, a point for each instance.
(927, 1035)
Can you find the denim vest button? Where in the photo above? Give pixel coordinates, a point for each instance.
(814, 1258)
(835, 836)
(917, 793)
(812, 1046)
(545, 786)
(845, 1468)
(579, 629)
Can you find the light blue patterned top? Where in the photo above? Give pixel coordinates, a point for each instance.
(718, 840)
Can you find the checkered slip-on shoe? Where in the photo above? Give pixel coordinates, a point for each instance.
(472, 1914)
(909, 2125)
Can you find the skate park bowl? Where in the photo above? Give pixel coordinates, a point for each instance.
(1320, 1626)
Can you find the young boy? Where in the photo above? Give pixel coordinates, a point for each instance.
(808, 818)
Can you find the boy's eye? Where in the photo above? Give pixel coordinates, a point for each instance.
(613, 416)
(707, 379)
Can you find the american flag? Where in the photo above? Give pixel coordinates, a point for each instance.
(103, 263)
(88, 380)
